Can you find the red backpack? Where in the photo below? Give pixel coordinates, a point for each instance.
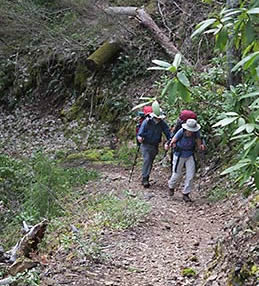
(143, 115)
(184, 115)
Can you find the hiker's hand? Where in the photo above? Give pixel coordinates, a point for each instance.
(172, 144)
(202, 147)
(166, 146)
(140, 139)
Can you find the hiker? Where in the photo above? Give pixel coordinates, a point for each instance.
(145, 113)
(149, 136)
(183, 143)
(183, 116)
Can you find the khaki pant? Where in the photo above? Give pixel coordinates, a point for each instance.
(177, 174)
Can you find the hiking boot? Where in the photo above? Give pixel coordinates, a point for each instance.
(171, 192)
(145, 183)
(186, 198)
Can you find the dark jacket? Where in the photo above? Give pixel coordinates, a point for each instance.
(152, 131)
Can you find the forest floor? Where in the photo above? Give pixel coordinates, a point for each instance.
(175, 235)
(172, 237)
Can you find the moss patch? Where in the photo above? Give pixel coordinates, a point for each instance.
(105, 154)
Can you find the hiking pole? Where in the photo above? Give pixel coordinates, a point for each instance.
(202, 162)
(134, 163)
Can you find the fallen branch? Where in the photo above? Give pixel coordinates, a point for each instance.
(149, 23)
(29, 242)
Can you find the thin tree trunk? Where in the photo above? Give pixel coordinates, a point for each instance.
(231, 53)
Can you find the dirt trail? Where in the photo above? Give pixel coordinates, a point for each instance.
(175, 235)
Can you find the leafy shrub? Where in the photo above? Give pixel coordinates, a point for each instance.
(37, 186)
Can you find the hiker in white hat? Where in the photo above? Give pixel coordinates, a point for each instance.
(183, 143)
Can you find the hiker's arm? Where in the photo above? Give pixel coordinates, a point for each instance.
(199, 144)
(141, 132)
(172, 143)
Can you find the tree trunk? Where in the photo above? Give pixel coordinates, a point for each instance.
(231, 52)
(104, 54)
(148, 22)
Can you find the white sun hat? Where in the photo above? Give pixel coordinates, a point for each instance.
(191, 125)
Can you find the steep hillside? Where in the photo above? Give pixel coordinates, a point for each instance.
(68, 139)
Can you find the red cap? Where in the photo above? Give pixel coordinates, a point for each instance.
(147, 109)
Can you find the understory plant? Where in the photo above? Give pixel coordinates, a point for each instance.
(230, 89)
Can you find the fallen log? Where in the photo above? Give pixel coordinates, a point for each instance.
(29, 242)
(104, 54)
(146, 20)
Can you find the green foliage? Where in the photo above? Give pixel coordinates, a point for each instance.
(113, 212)
(179, 85)
(189, 272)
(126, 155)
(38, 186)
(237, 25)
(240, 121)
(242, 125)
(219, 193)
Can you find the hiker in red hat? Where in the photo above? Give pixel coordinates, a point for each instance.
(149, 136)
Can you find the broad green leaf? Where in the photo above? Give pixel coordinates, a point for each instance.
(221, 39)
(231, 113)
(165, 90)
(184, 92)
(241, 164)
(239, 129)
(248, 49)
(156, 108)
(172, 93)
(225, 121)
(241, 121)
(214, 31)
(244, 60)
(252, 94)
(243, 136)
(250, 144)
(161, 63)
(140, 105)
(233, 13)
(250, 127)
(226, 18)
(157, 68)
(253, 11)
(255, 104)
(183, 79)
(249, 33)
(225, 11)
(177, 60)
(202, 26)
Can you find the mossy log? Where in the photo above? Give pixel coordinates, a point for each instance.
(104, 54)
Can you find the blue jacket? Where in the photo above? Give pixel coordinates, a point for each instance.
(152, 131)
(185, 145)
